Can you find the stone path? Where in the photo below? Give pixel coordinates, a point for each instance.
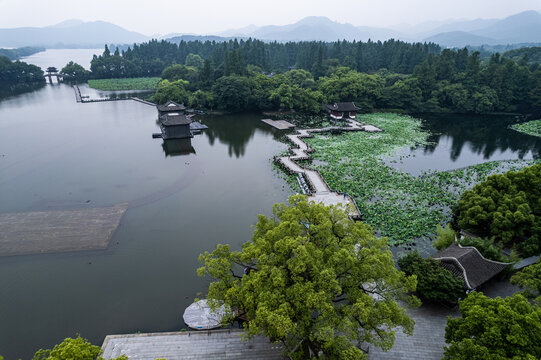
(320, 191)
(279, 124)
(216, 344)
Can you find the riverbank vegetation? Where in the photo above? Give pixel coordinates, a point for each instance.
(16, 54)
(392, 74)
(18, 76)
(147, 83)
(531, 127)
(398, 205)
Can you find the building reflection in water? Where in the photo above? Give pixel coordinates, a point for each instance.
(177, 147)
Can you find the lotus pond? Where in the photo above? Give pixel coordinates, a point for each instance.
(531, 127)
(399, 193)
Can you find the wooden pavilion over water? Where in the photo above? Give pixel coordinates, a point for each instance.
(342, 110)
(171, 107)
(175, 126)
(468, 263)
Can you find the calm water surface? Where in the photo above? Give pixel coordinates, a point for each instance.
(184, 198)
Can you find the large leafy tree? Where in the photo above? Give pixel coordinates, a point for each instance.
(314, 280)
(434, 283)
(74, 71)
(496, 329)
(506, 207)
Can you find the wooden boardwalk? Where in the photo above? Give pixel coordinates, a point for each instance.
(58, 231)
(215, 344)
(320, 191)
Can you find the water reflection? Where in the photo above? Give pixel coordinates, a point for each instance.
(176, 147)
(485, 135)
(235, 131)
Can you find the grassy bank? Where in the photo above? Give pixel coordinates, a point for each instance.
(396, 204)
(144, 83)
(531, 127)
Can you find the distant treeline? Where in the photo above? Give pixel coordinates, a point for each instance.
(15, 54)
(18, 76)
(253, 75)
(151, 58)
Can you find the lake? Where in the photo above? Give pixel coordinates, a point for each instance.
(56, 154)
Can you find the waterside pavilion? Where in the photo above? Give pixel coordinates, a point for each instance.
(342, 110)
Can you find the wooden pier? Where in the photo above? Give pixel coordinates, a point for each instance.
(319, 190)
(279, 124)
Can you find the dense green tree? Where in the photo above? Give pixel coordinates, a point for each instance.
(496, 329)
(19, 76)
(314, 280)
(445, 237)
(72, 349)
(201, 100)
(171, 90)
(195, 61)
(75, 72)
(434, 283)
(232, 93)
(529, 280)
(506, 207)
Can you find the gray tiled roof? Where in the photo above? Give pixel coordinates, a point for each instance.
(343, 106)
(171, 120)
(468, 263)
(171, 106)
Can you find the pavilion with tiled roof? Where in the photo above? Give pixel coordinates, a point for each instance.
(468, 263)
(342, 110)
(171, 107)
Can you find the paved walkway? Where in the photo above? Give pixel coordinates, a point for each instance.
(208, 345)
(320, 191)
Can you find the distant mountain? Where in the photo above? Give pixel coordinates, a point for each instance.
(524, 27)
(202, 38)
(71, 33)
(315, 28)
(460, 39)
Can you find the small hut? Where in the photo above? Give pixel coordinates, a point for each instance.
(175, 126)
(342, 110)
(171, 107)
(468, 263)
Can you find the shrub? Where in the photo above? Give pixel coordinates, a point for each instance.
(434, 283)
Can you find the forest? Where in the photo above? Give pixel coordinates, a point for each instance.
(252, 75)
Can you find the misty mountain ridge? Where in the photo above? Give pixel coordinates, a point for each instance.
(524, 27)
(70, 33)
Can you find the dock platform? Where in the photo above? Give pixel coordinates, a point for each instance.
(42, 232)
(279, 124)
(208, 345)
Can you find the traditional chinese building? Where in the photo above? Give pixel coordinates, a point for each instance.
(468, 263)
(342, 110)
(171, 107)
(175, 126)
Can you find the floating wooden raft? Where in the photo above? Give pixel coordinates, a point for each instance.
(41, 232)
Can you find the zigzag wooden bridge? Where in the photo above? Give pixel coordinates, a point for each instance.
(311, 181)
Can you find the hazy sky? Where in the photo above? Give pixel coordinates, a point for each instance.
(208, 16)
